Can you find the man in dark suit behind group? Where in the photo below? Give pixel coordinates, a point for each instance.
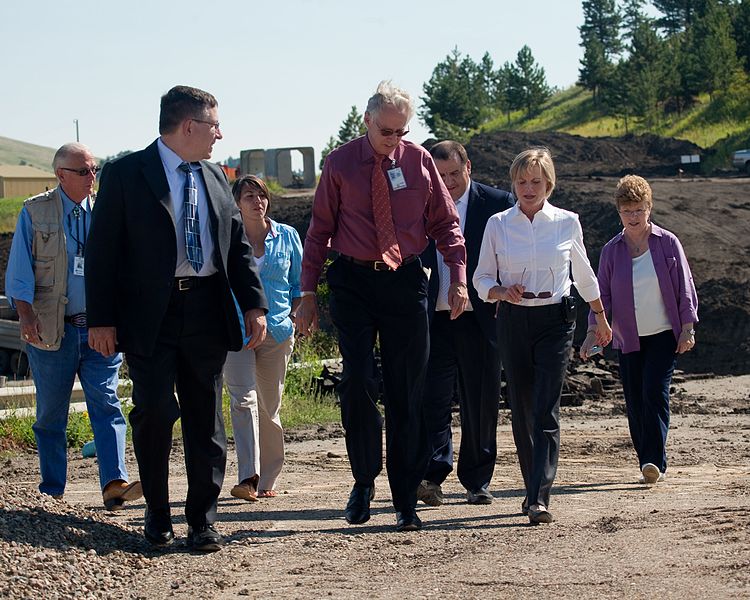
(165, 247)
(464, 349)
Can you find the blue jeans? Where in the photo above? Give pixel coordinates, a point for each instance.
(54, 373)
(646, 376)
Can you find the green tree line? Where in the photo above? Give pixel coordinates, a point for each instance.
(642, 67)
(462, 94)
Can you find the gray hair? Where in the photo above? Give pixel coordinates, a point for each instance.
(67, 150)
(387, 93)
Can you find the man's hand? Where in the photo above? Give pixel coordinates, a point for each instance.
(255, 325)
(29, 322)
(307, 315)
(103, 340)
(458, 298)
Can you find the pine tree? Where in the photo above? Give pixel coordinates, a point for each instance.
(529, 84)
(600, 40)
(715, 49)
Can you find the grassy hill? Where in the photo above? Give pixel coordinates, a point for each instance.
(721, 124)
(13, 152)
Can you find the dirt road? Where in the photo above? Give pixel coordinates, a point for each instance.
(686, 537)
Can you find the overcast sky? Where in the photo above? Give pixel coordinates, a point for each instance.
(285, 72)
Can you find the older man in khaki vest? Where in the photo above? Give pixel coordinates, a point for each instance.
(45, 281)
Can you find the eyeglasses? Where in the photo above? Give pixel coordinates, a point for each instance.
(543, 295)
(213, 124)
(83, 172)
(633, 213)
(385, 132)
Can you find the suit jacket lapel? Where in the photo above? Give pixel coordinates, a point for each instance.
(156, 178)
(215, 192)
(472, 210)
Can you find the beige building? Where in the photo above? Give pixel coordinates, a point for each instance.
(24, 181)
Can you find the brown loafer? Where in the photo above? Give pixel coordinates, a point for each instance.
(118, 492)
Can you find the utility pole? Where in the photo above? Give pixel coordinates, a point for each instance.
(76, 122)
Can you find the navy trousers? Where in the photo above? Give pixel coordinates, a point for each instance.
(460, 350)
(392, 307)
(535, 345)
(646, 376)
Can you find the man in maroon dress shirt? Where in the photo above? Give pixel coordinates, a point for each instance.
(378, 200)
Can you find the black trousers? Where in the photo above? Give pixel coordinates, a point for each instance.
(646, 376)
(392, 306)
(535, 345)
(189, 355)
(459, 350)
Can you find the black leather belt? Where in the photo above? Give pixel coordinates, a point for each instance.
(184, 284)
(76, 320)
(377, 265)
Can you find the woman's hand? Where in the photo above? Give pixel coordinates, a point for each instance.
(687, 339)
(603, 330)
(508, 294)
(588, 344)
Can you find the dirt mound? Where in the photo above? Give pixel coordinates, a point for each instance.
(576, 156)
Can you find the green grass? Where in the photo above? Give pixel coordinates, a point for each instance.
(302, 404)
(9, 209)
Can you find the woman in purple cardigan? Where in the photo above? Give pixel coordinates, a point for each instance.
(647, 287)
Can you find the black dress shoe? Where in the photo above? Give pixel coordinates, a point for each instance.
(539, 514)
(480, 496)
(408, 520)
(158, 527)
(204, 538)
(358, 508)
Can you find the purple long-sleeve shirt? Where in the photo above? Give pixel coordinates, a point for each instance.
(616, 285)
(342, 210)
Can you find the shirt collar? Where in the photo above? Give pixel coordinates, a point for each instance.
(368, 152)
(465, 196)
(274, 231)
(69, 205)
(170, 158)
(547, 211)
(655, 230)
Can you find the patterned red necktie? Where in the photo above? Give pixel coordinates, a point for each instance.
(381, 211)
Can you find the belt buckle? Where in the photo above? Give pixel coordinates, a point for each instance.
(183, 284)
(380, 265)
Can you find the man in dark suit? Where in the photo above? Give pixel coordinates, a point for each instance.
(463, 350)
(165, 247)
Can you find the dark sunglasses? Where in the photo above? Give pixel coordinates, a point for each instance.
(542, 295)
(83, 172)
(396, 132)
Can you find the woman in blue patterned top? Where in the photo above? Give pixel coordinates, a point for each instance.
(255, 378)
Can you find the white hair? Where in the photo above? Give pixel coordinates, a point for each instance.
(67, 150)
(387, 93)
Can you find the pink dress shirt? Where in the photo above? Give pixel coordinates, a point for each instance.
(342, 210)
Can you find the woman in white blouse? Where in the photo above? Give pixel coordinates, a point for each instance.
(527, 257)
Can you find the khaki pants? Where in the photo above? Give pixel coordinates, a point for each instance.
(255, 381)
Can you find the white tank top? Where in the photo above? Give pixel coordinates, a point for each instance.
(650, 312)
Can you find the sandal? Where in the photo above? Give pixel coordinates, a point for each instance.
(247, 489)
(267, 494)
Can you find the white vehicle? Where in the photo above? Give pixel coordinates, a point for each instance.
(741, 160)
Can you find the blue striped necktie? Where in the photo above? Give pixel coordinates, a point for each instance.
(191, 220)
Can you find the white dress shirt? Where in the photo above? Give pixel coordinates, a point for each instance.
(443, 272)
(537, 254)
(176, 179)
